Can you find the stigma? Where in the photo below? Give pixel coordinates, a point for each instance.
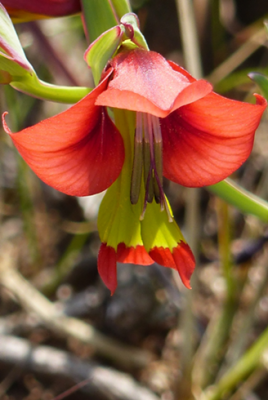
(148, 163)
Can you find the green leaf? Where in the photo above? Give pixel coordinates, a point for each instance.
(236, 79)
(246, 202)
(121, 7)
(98, 17)
(261, 80)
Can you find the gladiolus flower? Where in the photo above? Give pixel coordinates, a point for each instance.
(166, 123)
(27, 10)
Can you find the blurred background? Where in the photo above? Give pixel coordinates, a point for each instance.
(153, 339)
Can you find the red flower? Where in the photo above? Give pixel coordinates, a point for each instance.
(26, 10)
(179, 129)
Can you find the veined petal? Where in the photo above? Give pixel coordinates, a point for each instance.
(206, 141)
(144, 81)
(26, 10)
(78, 152)
(165, 243)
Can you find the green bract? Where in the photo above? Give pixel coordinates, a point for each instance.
(107, 44)
(14, 65)
(16, 70)
(102, 49)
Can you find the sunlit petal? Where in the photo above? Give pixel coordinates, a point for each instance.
(78, 152)
(205, 141)
(144, 81)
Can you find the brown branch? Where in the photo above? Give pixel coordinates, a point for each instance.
(33, 301)
(50, 361)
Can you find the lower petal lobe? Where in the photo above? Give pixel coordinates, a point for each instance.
(107, 267)
(165, 243)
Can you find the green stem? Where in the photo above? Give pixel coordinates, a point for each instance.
(42, 90)
(237, 196)
(224, 239)
(245, 366)
(221, 329)
(121, 7)
(192, 59)
(213, 346)
(99, 16)
(245, 327)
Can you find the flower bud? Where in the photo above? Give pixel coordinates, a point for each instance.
(14, 65)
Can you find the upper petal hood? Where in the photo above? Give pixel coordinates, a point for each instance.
(78, 152)
(144, 81)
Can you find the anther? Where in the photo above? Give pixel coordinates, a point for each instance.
(148, 160)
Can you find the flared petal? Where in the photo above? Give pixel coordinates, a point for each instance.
(144, 81)
(180, 258)
(78, 152)
(165, 243)
(107, 266)
(26, 10)
(133, 255)
(108, 257)
(206, 141)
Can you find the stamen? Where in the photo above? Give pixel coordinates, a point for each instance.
(137, 161)
(148, 159)
(157, 194)
(158, 148)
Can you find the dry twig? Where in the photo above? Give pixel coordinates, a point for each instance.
(33, 301)
(49, 361)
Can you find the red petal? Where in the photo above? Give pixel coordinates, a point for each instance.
(205, 141)
(182, 71)
(78, 152)
(45, 7)
(107, 266)
(133, 255)
(181, 258)
(144, 81)
(163, 256)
